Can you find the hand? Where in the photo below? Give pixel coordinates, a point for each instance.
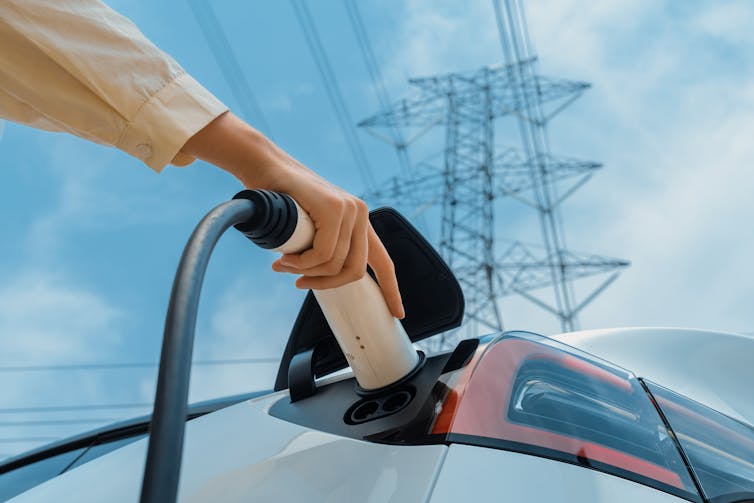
(344, 240)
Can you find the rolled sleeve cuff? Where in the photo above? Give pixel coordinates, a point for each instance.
(164, 124)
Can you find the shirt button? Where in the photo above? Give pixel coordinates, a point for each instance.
(143, 151)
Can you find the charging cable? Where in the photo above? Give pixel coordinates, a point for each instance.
(163, 466)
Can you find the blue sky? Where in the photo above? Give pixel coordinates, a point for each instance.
(91, 237)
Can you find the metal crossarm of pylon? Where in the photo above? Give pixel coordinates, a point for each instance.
(511, 174)
(428, 106)
(523, 267)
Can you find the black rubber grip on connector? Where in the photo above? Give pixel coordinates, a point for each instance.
(273, 221)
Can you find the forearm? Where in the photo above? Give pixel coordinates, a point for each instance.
(231, 144)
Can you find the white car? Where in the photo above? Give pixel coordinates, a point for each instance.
(623, 415)
(527, 419)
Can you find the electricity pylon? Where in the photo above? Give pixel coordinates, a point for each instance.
(474, 173)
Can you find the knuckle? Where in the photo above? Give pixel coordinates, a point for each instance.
(361, 206)
(336, 203)
(350, 208)
(354, 274)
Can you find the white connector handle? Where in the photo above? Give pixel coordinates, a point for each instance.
(373, 341)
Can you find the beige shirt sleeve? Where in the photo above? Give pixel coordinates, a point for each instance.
(80, 67)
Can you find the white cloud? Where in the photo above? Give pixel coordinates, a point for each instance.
(687, 236)
(727, 21)
(284, 101)
(246, 318)
(94, 194)
(437, 37)
(247, 321)
(44, 318)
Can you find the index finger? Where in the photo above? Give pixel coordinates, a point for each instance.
(384, 270)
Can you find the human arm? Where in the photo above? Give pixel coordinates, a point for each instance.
(80, 67)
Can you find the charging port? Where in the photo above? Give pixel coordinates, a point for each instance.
(375, 408)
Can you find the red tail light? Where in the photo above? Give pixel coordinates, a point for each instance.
(530, 394)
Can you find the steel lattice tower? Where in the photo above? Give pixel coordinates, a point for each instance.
(474, 174)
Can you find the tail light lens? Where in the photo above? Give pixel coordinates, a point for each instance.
(530, 394)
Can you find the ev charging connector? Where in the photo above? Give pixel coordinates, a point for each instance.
(374, 342)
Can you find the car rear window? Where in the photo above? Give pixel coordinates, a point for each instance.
(719, 448)
(24, 478)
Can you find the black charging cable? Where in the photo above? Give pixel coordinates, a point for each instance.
(162, 470)
(268, 219)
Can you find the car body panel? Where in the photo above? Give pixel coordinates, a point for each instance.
(242, 454)
(481, 474)
(120, 429)
(714, 368)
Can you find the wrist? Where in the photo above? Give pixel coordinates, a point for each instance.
(234, 146)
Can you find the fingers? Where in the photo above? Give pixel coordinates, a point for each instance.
(384, 270)
(347, 261)
(343, 244)
(335, 263)
(355, 265)
(327, 230)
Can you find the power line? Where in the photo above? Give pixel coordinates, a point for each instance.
(45, 422)
(127, 365)
(26, 439)
(66, 408)
(226, 59)
(334, 94)
(380, 90)
(378, 84)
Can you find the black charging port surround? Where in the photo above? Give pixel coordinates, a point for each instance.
(402, 411)
(400, 414)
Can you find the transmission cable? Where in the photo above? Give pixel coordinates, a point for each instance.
(229, 66)
(45, 422)
(378, 84)
(128, 365)
(380, 90)
(319, 56)
(65, 408)
(26, 439)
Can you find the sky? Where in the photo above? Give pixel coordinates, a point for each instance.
(91, 237)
